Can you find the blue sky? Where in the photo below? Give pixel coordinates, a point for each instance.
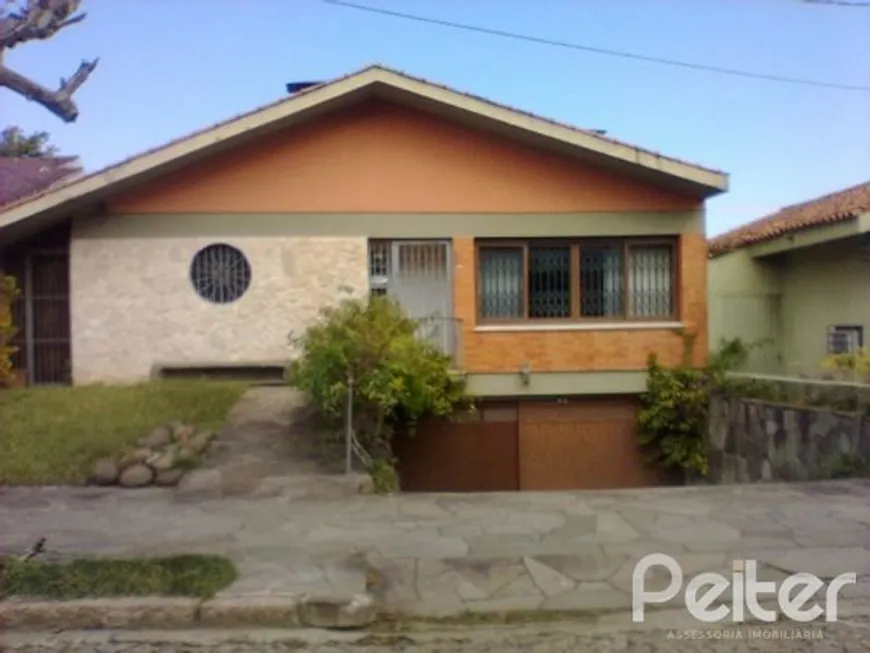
(171, 66)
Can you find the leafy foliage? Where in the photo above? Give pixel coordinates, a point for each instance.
(368, 348)
(15, 143)
(385, 480)
(855, 364)
(675, 407)
(8, 293)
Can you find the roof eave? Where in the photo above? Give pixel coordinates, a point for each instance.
(843, 227)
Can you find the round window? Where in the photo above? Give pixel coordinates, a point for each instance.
(220, 273)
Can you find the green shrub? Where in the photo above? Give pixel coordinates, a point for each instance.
(675, 408)
(852, 365)
(8, 294)
(385, 480)
(396, 379)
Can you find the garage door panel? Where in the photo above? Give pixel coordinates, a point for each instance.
(583, 444)
(444, 456)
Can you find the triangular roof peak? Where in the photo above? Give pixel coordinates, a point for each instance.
(393, 84)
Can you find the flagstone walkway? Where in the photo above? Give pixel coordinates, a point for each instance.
(442, 554)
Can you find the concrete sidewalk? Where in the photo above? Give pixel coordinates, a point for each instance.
(438, 555)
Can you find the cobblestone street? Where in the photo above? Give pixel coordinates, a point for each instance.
(844, 637)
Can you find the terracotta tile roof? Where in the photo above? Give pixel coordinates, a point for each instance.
(311, 89)
(21, 177)
(829, 209)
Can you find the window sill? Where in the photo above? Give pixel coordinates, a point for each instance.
(589, 326)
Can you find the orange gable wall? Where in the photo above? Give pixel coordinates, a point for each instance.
(385, 158)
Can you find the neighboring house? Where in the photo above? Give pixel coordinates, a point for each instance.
(554, 258)
(796, 280)
(24, 176)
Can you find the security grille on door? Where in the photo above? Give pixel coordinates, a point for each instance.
(379, 266)
(416, 273)
(844, 339)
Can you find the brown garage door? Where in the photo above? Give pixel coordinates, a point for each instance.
(466, 456)
(588, 443)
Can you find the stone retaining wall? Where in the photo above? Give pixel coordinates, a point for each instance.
(752, 441)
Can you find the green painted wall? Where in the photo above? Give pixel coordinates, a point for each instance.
(391, 225)
(826, 285)
(744, 301)
(791, 298)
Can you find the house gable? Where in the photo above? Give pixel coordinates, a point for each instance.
(382, 157)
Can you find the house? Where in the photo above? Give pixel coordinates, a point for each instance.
(795, 281)
(551, 260)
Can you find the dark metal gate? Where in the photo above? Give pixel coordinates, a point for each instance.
(41, 314)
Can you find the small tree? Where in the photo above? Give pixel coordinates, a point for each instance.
(368, 349)
(15, 143)
(8, 293)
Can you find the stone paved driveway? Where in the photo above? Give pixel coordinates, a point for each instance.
(440, 554)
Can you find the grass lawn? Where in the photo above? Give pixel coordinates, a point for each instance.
(200, 576)
(53, 436)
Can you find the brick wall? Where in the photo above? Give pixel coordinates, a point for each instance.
(593, 350)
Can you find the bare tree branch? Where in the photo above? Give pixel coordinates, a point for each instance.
(59, 102)
(40, 20)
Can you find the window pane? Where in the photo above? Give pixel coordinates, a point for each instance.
(650, 282)
(845, 339)
(549, 282)
(601, 281)
(500, 280)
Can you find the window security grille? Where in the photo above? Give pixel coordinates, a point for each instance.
(843, 339)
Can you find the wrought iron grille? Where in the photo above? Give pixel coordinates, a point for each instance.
(844, 339)
(501, 283)
(542, 281)
(220, 273)
(417, 274)
(650, 279)
(601, 281)
(41, 315)
(380, 266)
(549, 282)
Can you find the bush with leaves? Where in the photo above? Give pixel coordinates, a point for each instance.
(852, 365)
(8, 293)
(675, 409)
(396, 378)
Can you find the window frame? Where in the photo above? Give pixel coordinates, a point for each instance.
(575, 245)
(833, 329)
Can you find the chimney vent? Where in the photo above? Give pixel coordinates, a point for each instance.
(295, 87)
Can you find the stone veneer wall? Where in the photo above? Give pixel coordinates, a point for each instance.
(133, 304)
(752, 441)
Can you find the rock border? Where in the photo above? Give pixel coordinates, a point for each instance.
(162, 458)
(340, 612)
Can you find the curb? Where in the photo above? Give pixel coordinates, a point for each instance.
(344, 612)
(330, 612)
